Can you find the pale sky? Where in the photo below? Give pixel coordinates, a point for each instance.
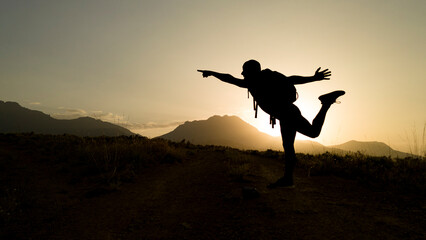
(135, 62)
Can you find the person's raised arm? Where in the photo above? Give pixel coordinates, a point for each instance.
(318, 76)
(228, 78)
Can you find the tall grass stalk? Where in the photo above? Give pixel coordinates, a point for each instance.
(416, 145)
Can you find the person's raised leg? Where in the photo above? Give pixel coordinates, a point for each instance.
(313, 131)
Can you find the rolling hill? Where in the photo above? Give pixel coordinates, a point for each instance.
(17, 119)
(225, 131)
(371, 148)
(234, 132)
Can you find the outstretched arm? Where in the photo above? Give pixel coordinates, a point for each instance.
(228, 78)
(319, 75)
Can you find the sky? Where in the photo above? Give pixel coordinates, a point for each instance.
(134, 63)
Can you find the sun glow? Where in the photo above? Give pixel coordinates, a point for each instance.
(267, 128)
(307, 108)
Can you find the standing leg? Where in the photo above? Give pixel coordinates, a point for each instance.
(288, 134)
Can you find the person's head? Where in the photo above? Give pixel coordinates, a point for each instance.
(251, 68)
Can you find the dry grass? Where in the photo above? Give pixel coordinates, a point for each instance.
(238, 164)
(406, 174)
(114, 160)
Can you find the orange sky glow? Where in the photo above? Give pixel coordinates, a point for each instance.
(134, 62)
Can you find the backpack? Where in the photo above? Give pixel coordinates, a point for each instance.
(273, 92)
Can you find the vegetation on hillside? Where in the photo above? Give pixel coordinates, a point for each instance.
(39, 171)
(114, 160)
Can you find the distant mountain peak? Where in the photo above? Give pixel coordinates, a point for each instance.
(373, 148)
(216, 117)
(234, 132)
(12, 103)
(17, 119)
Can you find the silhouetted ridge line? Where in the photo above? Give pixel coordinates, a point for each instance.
(372, 148)
(17, 119)
(234, 132)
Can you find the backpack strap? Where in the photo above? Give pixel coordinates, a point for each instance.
(272, 120)
(255, 104)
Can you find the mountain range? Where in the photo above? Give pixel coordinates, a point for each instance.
(234, 132)
(217, 130)
(17, 119)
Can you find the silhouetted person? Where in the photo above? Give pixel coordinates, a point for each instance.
(275, 94)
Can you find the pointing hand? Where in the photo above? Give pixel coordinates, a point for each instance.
(206, 73)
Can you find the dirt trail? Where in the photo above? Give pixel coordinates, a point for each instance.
(198, 199)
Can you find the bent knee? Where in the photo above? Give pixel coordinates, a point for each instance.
(313, 134)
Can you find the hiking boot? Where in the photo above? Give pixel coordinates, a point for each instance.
(330, 98)
(282, 183)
